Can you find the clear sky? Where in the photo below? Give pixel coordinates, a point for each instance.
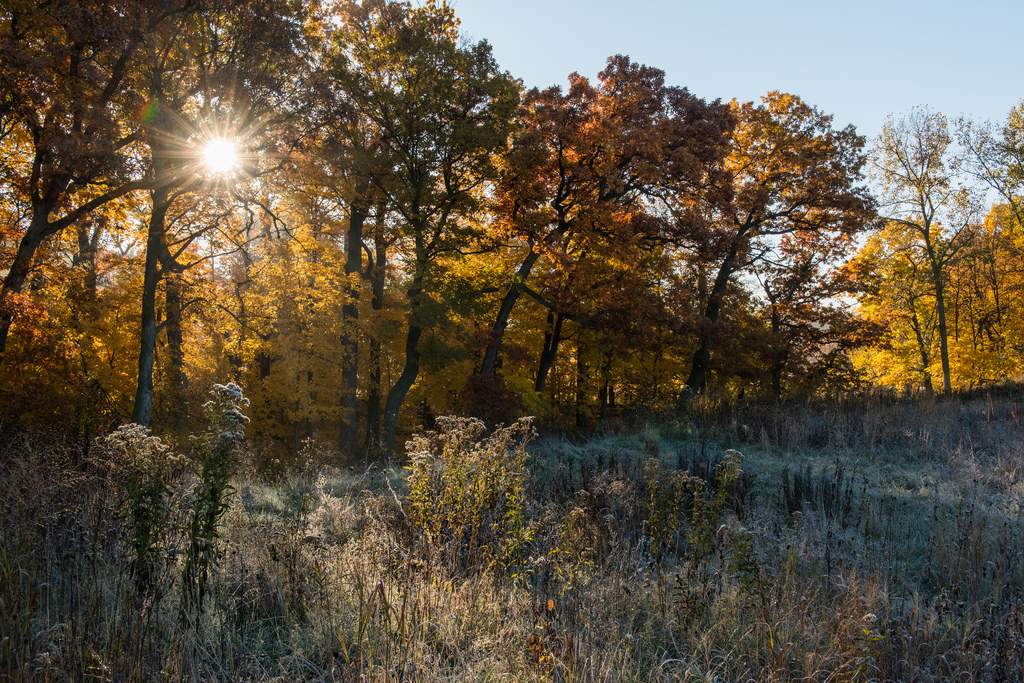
(859, 60)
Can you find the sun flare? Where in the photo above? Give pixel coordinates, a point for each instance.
(220, 156)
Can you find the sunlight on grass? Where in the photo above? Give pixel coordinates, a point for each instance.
(655, 554)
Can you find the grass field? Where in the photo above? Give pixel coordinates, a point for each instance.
(870, 540)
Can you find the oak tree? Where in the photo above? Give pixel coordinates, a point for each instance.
(593, 165)
(790, 173)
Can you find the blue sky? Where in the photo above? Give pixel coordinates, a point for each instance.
(857, 60)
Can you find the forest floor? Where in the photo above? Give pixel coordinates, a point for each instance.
(866, 540)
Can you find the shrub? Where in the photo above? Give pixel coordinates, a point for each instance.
(466, 492)
(145, 465)
(216, 453)
(829, 492)
(679, 500)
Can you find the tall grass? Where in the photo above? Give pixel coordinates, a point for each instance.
(881, 540)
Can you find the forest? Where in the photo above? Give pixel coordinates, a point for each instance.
(363, 222)
(324, 342)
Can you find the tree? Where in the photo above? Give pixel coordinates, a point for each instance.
(811, 330)
(440, 111)
(925, 199)
(210, 78)
(67, 92)
(293, 303)
(895, 292)
(348, 160)
(591, 166)
(790, 174)
(985, 298)
(996, 156)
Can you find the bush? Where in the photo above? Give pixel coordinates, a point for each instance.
(144, 465)
(217, 462)
(466, 493)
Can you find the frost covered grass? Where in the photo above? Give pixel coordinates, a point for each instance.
(865, 541)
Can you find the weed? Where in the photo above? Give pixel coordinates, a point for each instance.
(466, 493)
(829, 492)
(145, 465)
(216, 459)
(18, 597)
(622, 558)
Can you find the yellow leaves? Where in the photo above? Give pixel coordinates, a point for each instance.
(983, 311)
(291, 343)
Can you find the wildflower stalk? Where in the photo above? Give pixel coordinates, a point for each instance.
(216, 454)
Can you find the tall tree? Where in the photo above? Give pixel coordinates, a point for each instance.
(350, 159)
(790, 173)
(892, 287)
(440, 110)
(592, 164)
(926, 198)
(212, 79)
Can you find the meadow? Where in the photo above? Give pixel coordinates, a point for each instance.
(876, 539)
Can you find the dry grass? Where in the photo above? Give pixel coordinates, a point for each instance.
(865, 541)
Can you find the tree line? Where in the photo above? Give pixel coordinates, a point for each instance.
(355, 214)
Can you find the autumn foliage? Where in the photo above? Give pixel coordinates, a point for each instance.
(397, 229)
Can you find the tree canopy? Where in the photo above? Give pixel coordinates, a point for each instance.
(353, 212)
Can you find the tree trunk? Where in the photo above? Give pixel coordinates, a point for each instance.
(396, 397)
(552, 337)
(371, 445)
(177, 381)
(373, 401)
(143, 410)
(582, 375)
(605, 394)
(501, 321)
(940, 305)
(89, 233)
(777, 356)
(925, 362)
(311, 397)
(702, 356)
(358, 210)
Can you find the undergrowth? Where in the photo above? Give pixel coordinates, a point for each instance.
(825, 542)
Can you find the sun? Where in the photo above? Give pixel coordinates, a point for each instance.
(220, 156)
